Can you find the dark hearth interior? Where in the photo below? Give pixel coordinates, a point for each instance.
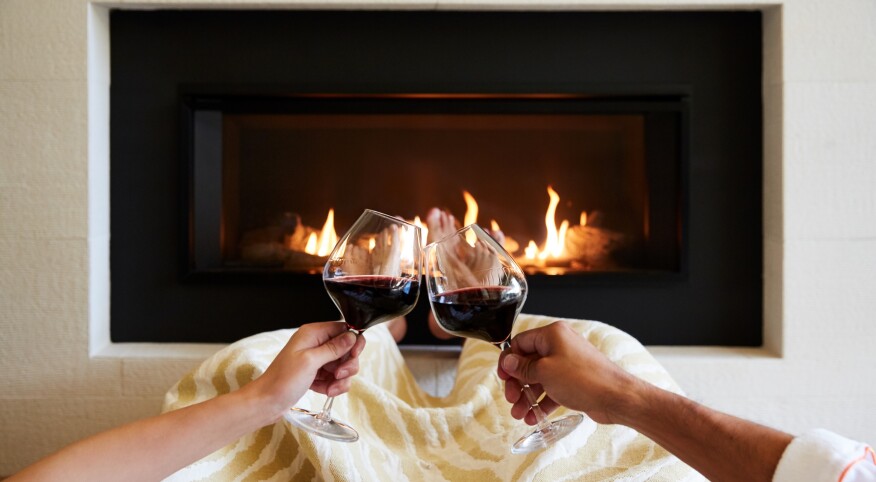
(234, 134)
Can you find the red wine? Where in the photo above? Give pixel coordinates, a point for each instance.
(486, 313)
(368, 300)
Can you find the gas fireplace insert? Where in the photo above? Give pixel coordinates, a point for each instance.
(616, 155)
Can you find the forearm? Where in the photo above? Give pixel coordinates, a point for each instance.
(719, 446)
(153, 448)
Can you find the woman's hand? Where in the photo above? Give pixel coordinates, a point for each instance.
(320, 356)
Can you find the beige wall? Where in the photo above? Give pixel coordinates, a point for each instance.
(61, 379)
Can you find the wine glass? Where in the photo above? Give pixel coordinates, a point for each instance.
(476, 290)
(373, 276)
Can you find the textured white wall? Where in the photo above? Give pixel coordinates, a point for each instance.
(62, 380)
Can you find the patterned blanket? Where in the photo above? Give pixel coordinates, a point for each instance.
(408, 435)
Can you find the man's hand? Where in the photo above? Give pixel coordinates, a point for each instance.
(557, 360)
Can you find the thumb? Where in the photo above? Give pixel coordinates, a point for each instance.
(332, 349)
(519, 367)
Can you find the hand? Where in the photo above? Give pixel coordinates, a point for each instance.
(320, 356)
(557, 360)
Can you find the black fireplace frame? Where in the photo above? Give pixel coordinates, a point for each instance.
(710, 58)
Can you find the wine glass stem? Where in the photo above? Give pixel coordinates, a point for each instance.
(326, 414)
(543, 424)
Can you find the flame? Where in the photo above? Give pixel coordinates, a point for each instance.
(312, 242)
(407, 245)
(560, 247)
(423, 230)
(531, 250)
(323, 244)
(554, 247)
(556, 240)
(471, 217)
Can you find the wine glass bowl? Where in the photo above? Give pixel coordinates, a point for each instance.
(476, 290)
(372, 276)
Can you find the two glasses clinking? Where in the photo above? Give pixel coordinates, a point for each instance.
(476, 290)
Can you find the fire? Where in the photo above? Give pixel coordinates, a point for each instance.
(424, 231)
(323, 244)
(471, 216)
(531, 251)
(554, 246)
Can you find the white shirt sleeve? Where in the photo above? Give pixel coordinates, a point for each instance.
(823, 456)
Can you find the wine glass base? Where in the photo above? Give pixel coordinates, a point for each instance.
(330, 429)
(542, 439)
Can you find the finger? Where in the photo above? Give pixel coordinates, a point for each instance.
(320, 386)
(524, 404)
(358, 347)
(537, 390)
(333, 349)
(339, 387)
(520, 408)
(523, 368)
(548, 405)
(502, 373)
(321, 332)
(513, 390)
(531, 342)
(332, 366)
(347, 369)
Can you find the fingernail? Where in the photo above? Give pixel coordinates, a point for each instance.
(510, 363)
(342, 374)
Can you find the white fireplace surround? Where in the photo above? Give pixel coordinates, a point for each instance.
(63, 379)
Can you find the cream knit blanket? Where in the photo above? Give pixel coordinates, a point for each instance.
(408, 435)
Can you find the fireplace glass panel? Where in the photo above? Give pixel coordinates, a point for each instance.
(569, 186)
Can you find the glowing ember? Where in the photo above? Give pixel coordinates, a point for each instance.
(583, 218)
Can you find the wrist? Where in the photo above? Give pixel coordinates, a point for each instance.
(633, 402)
(265, 406)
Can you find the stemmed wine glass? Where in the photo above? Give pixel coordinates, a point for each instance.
(476, 290)
(373, 276)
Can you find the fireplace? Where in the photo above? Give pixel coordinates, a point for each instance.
(629, 190)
